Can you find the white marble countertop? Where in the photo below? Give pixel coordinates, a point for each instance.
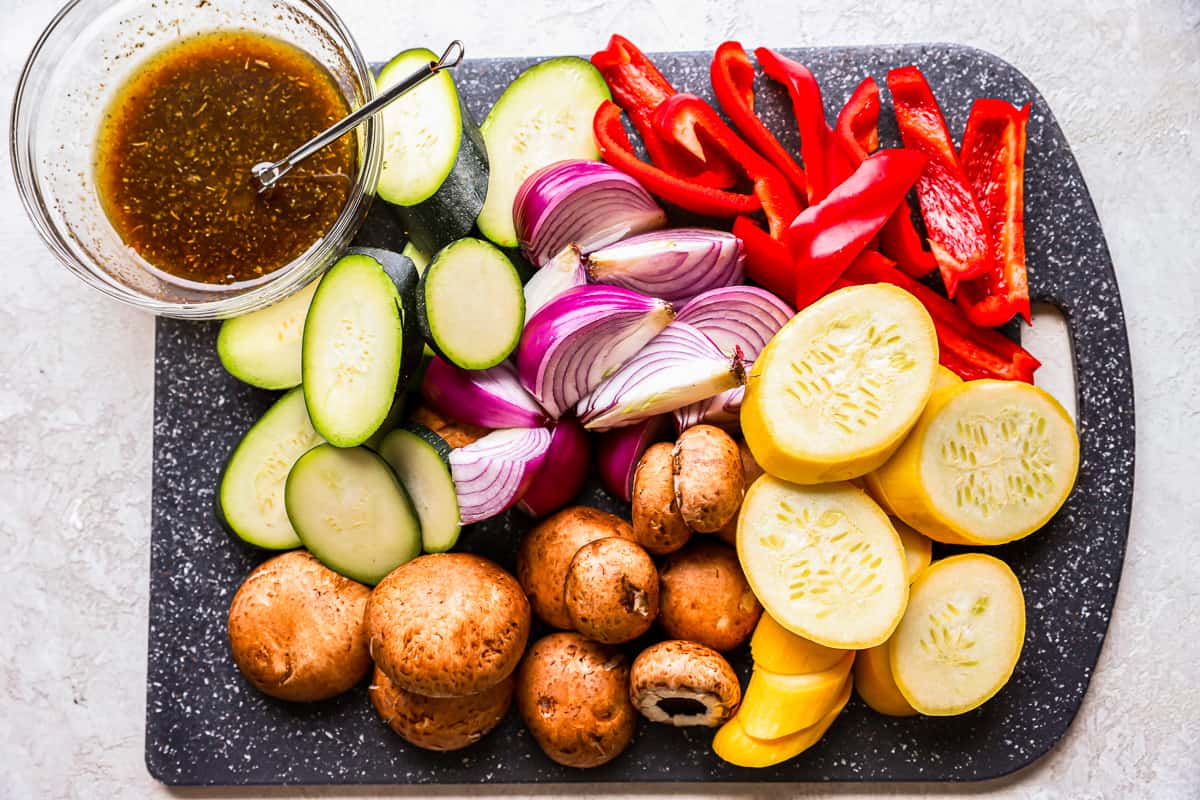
(1123, 78)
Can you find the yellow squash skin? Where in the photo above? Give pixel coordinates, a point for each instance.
(874, 683)
(734, 745)
(775, 648)
(906, 479)
(777, 705)
(833, 394)
(918, 549)
(945, 378)
(961, 637)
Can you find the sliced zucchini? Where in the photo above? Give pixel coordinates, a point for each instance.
(416, 255)
(838, 387)
(351, 512)
(777, 705)
(824, 561)
(263, 348)
(961, 636)
(250, 497)
(406, 277)
(545, 115)
(354, 348)
(875, 685)
(775, 648)
(734, 745)
(393, 420)
(435, 165)
(988, 462)
(419, 458)
(471, 304)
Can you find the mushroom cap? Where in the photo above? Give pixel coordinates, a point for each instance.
(709, 481)
(296, 629)
(440, 723)
(448, 625)
(679, 670)
(658, 525)
(611, 590)
(547, 550)
(573, 695)
(705, 597)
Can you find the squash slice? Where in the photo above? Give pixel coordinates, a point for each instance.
(988, 462)
(824, 561)
(944, 378)
(734, 745)
(918, 549)
(874, 683)
(775, 648)
(777, 705)
(838, 387)
(961, 636)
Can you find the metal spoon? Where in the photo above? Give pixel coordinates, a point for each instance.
(268, 173)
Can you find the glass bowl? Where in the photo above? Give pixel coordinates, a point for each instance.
(81, 59)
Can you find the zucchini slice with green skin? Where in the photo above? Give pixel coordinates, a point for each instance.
(351, 512)
(419, 456)
(416, 255)
(250, 497)
(354, 346)
(435, 165)
(471, 304)
(406, 277)
(545, 115)
(262, 348)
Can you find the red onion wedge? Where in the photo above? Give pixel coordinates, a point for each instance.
(675, 264)
(738, 316)
(491, 474)
(581, 337)
(681, 366)
(586, 202)
(488, 398)
(733, 317)
(619, 451)
(561, 476)
(564, 271)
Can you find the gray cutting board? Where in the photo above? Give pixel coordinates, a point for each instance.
(205, 725)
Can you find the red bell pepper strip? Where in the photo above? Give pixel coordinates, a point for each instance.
(969, 350)
(858, 121)
(826, 237)
(900, 242)
(993, 158)
(617, 150)
(732, 75)
(639, 88)
(958, 234)
(768, 262)
(690, 122)
(826, 161)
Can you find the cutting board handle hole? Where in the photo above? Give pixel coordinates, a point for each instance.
(1049, 340)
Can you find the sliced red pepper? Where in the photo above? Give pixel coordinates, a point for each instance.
(969, 350)
(732, 75)
(768, 262)
(993, 158)
(958, 234)
(858, 121)
(617, 150)
(900, 242)
(826, 237)
(826, 160)
(690, 122)
(639, 88)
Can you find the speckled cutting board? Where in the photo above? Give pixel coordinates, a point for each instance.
(205, 725)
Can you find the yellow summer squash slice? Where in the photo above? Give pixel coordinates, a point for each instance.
(961, 636)
(918, 549)
(734, 745)
(988, 462)
(944, 378)
(775, 648)
(836, 390)
(776, 705)
(824, 561)
(874, 683)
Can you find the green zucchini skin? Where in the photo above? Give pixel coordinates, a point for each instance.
(403, 272)
(421, 460)
(475, 303)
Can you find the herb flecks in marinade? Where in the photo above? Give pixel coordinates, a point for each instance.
(177, 143)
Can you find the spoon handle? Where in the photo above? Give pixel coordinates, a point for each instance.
(269, 174)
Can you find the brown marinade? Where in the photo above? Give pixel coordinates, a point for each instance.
(177, 143)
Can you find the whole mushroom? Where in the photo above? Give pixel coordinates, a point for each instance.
(709, 481)
(683, 683)
(440, 723)
(658, 525)
(612, 590)
(705, 598)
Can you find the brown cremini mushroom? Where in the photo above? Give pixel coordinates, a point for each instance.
(704, 597)
(709, 483)
(440, 723)
(657, 524)
(447, 625)
(683, 683)
(612, 590)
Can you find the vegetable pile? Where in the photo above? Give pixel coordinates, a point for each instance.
(805, 380)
